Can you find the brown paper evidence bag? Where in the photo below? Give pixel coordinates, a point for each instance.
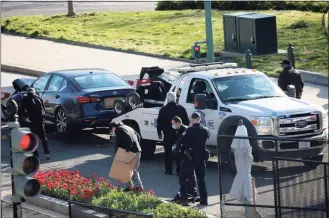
(123, 166)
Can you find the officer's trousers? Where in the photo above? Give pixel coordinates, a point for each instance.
(168, 144)
(186, 175)
(39, 130)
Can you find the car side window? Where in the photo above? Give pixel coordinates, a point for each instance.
(199, 86)
(40, 84)
(55, 83)
(63, 86)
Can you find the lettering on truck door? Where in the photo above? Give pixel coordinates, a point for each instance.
(210, 117)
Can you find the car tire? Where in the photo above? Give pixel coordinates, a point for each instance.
(313, 165)
(61, 121)
(148, 149)
(119, 107)
(133, 101)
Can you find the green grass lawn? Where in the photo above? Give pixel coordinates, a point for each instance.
(172, 33)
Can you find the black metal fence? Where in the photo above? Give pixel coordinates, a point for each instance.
(303, 196)
(75, 210)
(285, 187)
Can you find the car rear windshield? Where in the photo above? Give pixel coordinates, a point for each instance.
(103, 80)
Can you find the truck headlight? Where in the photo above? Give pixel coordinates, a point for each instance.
(263, 125)
(324, 119)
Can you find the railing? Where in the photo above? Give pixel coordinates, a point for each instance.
(109, 212)
(282, 190)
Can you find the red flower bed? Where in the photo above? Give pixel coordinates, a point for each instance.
(68, 185)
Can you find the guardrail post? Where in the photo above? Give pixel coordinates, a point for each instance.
(291, 54)
(248, 58)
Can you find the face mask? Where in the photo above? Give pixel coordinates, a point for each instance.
(174, 127)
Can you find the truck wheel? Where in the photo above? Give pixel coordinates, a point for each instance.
(148, 149)
(313, 165)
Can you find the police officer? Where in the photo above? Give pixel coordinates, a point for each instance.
(195, 157)
(290, 76)
(166, 113)
(179, 128)
(179, 150)
(33, 106)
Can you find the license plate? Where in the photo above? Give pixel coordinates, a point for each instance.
(304, 145)
(108, 102)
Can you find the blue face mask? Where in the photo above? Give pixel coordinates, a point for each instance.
(174, 127)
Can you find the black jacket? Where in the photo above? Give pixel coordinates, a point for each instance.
(290, 76)
(166, 114)
(128, 139)
(179, 133)
(195, 140)
(34, 108)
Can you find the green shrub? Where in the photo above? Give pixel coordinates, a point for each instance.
(172, 210)
(245, 5)
(145, 203)
(299, 25)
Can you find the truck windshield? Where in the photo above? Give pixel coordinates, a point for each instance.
(246, 87)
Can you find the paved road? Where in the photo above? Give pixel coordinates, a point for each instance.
(91, 153)
(16, 8)
(7, 212)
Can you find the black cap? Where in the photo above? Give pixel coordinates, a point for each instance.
(196, 115)
(286, 61)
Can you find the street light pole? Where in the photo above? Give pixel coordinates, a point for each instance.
(209, 34)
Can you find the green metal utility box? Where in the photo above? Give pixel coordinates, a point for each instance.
(231, 31)
(254, 31)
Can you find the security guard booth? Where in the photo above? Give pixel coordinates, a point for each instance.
(256, 32)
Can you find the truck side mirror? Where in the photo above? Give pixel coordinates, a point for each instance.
(200, 102)
(291, 91)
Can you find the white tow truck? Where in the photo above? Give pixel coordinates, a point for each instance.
(230, 94)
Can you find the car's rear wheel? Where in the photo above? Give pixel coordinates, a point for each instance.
(61, 120)
(133, 100)
(119, 107)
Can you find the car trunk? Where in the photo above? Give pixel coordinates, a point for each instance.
(103, 99)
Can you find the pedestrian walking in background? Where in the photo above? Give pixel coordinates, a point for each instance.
(290, 76)
(128, 139)
(164, 125)
(32, 105)
(195, 157)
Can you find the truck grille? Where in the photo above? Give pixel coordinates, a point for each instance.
(299, 124)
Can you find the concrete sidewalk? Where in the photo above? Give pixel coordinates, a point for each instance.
(45, 55)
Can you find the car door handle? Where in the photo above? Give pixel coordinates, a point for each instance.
(57, 96)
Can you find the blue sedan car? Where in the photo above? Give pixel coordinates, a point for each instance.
(81, 98)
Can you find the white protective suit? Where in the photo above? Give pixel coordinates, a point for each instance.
(241, 188)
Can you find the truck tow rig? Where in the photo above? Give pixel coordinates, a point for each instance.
(231, 93)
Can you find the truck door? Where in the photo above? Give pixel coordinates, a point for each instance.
(210, 117)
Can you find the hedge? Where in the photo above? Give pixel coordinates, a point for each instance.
(245, 5)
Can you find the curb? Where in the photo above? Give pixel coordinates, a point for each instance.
(21, 70)
(62, 207)
(309, 77)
